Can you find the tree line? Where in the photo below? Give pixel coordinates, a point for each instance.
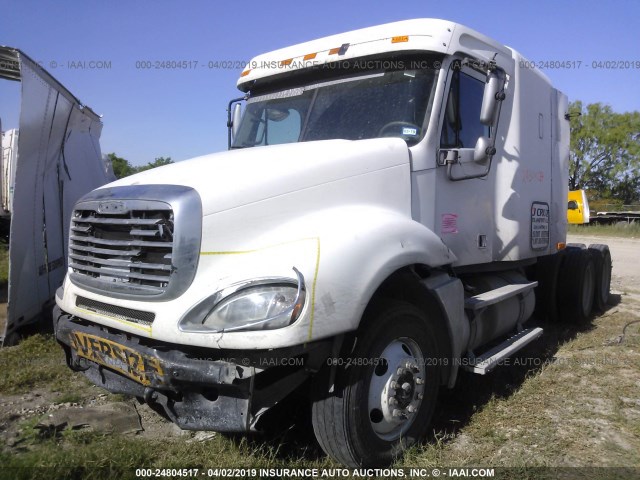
(604, 157)
(123, 168)
(605, 153)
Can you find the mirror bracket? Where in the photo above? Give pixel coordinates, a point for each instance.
(231, 120)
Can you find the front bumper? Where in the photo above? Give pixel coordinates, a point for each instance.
(198, 389)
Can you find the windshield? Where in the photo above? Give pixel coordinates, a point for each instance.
(373, 105)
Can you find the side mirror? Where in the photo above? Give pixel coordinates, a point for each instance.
(483, 150)
(235, 119)
(492, 95)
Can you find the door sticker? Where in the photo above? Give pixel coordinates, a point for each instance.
(449, 223)
(539, 226)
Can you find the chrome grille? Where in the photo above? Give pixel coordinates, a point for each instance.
(136, 242)
(131, 246)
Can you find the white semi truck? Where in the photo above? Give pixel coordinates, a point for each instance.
(392, 209)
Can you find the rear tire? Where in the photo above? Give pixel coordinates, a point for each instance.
(576, 285)
(384, 392)
(602, 259)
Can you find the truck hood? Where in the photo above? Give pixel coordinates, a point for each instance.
(239, 177)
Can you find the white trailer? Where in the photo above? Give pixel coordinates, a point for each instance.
(53, 162)
(393, 202)
(8, 170)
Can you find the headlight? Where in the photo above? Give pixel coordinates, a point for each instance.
(263, 304)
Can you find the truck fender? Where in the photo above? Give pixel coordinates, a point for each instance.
(449, 293)
(360, 247)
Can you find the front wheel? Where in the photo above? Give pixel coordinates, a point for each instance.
(384, 393)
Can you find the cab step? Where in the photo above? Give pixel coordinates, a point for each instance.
(484, 300)
(489, 360)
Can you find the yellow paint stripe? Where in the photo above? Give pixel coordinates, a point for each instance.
(313, 288)
(124, 322)
(315, 273)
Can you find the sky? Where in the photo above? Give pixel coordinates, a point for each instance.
(181, 113)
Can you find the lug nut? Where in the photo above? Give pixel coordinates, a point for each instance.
(393, 401)
(397, 412)
(399, 371)
(393, 384)
(420, 396)
(419, 381)
(406, 386)
(411, 409)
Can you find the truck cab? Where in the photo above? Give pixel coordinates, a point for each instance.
(384, 211)
(577, 207)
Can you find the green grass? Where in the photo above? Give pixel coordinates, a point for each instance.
(37, 362)
(618, 230)
(576, 412)
(4, 262)
(85, 454)
(579, 410)
(69, 397)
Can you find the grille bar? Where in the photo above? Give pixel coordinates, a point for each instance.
(107, 271)
(118, 221)
(120, 243)
(117, 262)
(108, 251)
(146, 233)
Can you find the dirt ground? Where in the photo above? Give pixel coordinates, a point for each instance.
(625, 254)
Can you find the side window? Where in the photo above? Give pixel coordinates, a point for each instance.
(283, 126)
(271, 123)
(461, 127)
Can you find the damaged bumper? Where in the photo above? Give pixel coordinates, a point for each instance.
(198, 389)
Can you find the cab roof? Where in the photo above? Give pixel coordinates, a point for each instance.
(427, 34)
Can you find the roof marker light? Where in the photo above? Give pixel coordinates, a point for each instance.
(245, 73)
(309, 56)
(286, 62)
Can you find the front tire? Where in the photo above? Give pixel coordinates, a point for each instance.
(384, 393)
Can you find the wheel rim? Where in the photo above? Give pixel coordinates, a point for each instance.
(396, 389)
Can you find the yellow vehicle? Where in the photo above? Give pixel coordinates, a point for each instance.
(578, 207)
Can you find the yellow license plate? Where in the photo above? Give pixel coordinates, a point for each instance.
(141, 368)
